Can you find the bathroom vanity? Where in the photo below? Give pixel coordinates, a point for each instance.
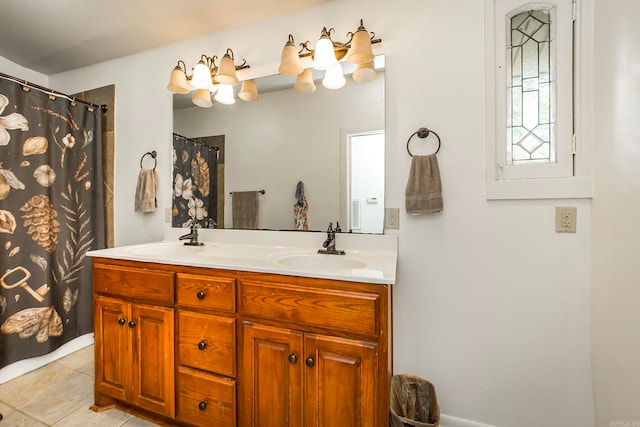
(233, 334)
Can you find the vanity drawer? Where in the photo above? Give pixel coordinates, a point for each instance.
(349, 311)
(207, 342)
(209, 292)
(135, 283)
(205, 400)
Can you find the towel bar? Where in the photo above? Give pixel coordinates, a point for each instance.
(153, 154)
(259, 191)
(423, 133)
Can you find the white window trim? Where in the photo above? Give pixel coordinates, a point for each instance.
(581, 184)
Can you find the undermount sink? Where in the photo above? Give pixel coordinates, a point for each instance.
(320, 261)
(165, 249)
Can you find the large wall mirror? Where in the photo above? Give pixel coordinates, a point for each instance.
(331, 140)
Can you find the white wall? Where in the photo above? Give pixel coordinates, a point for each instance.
(491, 304)
(22, 73)
(284, 138)
(616, 240)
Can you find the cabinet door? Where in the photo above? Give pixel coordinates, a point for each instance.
(341, 378)
(271, 394)
(112, 347)
(153, 359)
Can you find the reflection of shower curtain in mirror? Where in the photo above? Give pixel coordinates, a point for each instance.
(194, 183)
(51, 213)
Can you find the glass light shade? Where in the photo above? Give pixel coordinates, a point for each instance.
(201, 78)
(324, 56)
(178, 81)
(225, 95)
(227, 71)
(304, 82)
(333, 77)
(249, 91)
(290, 62)
(360, 51)
(365, 73)
(202, 98)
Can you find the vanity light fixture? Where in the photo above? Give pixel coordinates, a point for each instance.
(326, 56)
(207, 78)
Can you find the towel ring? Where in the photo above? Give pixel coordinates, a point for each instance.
(153, 154)
(423, 133)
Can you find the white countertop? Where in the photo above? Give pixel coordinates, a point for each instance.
(288, 253)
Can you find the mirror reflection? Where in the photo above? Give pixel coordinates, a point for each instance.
(330, 142)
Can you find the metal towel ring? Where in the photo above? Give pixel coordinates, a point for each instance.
(153, 154)
(423, 133)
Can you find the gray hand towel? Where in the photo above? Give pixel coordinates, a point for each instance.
(423, 193)
(245, 209)
(146, 191)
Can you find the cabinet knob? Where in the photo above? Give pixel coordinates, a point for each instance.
(202, 406)
(201, 294)
(202, 345)
(310, 362)
(293, 358)
(122, 321)
(132, 324)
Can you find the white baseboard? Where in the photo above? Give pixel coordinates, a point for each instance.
(21, 367)
(449, 421)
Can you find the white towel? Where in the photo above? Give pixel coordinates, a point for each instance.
(146, 189)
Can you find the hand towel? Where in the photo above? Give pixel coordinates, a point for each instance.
(244, 209)
(423, 193)
(146, 190)
(300, 208)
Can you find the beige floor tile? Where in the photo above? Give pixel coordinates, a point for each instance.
(65, 397)
(14, 418)
(81, 360)
(85, 417)
(138, 422)
(22, 389)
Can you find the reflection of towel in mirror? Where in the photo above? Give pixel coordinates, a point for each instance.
(245, 209)
(146, 189)
(300, 208)
(423, 193)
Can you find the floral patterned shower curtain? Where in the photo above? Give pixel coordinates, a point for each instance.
(194, 183)
(51, 213)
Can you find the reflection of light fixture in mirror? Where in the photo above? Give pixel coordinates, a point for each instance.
(225, 95)
(327, 53)
(249, 91)
(202, 98)
(333, 77)
(304, 82)
(207, 75)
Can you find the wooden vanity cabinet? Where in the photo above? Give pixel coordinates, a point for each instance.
(219, 348)
(133, 339)
(314, 353)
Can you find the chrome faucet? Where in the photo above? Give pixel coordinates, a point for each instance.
(330, 243)
(192, 236)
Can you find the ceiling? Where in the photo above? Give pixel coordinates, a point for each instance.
(59, 35)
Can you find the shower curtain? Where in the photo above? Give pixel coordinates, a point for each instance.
(51, 213)
(194, 183)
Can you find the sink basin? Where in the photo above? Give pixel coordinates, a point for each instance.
(320, 262)
(165, 249)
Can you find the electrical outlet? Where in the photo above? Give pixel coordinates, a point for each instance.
(392, 218)
(566, 219)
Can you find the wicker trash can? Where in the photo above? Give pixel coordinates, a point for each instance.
(413, 402)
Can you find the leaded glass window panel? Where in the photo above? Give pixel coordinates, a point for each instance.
(531, 93)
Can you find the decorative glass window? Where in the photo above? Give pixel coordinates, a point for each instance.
(531, 92)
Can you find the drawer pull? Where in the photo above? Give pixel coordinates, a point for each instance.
(202, 345)
(201, 294)
(202, 406)
(122, 321)
(293, 358)
(310, 362)
(132, 324)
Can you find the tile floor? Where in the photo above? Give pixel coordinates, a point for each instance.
(59, 394)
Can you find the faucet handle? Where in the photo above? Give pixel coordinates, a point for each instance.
(330, 228)
(338, 229)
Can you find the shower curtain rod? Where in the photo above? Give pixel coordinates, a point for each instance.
(48, 91)
(178, 136)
